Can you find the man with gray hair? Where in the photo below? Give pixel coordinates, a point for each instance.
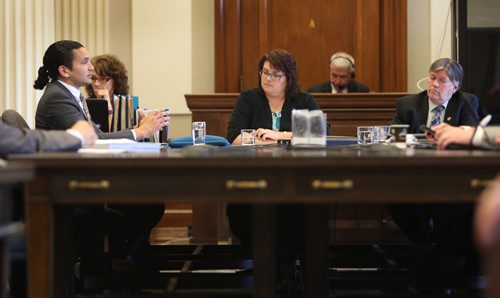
(447, 226)
(442, 102)
(341, 77)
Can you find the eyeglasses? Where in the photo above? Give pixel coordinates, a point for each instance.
(100, 79)
(271, 76)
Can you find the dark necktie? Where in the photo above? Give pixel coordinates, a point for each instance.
(85, 108)
(436, 119)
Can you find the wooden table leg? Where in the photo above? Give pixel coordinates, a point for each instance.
(63, 248)
(39, 236)
(316, 251)
(264, 250)
(4, 251)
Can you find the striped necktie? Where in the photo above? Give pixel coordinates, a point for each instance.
(85, 108)
(436, 119)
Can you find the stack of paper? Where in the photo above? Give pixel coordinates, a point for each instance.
(120, 145)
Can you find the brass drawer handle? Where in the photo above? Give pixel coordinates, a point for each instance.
(332, 184)
(246, 184)
(479, 183)
(89, 185)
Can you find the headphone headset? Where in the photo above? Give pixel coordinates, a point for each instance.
(344, 56)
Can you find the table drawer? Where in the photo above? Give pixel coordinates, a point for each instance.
(200, 186)
(385, 186)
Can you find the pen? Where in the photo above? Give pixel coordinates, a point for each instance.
(485, 120)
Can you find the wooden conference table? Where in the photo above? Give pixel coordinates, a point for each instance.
(263, 175)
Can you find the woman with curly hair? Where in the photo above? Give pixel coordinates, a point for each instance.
(110, 79)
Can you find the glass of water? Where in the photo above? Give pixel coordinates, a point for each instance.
(247, 137)
(199, 132)
(365, 135)
(381, 134)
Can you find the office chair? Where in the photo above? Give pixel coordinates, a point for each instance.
(15, 119)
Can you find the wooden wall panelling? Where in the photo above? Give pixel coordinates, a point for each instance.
(263, 25)
(367, 43)
(251, 42)
(228, 44)
(344, 111)
(374, 31)
(394, 66)
(215, 109)
(311, 32)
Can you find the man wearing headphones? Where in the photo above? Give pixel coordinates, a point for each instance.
(341, 77)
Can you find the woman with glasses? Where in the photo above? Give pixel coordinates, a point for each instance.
(110, 79)
(268, 108)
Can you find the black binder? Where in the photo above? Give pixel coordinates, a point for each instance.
(98, 109)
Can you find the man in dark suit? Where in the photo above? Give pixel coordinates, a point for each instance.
(66, 68)
(14, 140)
(62, 105)
(341, 77)
(414, 110)
(446, 225)
(442, 102)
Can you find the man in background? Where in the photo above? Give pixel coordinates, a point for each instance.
(341, 77)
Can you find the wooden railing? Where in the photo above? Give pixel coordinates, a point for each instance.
(344, 111)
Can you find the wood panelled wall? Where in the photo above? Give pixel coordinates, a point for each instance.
(373, 31)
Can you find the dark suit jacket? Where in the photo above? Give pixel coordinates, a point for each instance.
(326, 87)
(14, 140)
(58, 109)
(413, 110)
(252, 111)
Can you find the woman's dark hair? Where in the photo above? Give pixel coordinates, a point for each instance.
(110, 66)
(284, 61)
(58, 53)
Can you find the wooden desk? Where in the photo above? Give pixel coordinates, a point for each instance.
(264, 176)
(10, 175)
(344, 113)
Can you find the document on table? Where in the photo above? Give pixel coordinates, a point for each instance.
(121, 145)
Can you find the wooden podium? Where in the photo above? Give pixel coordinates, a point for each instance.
(344, 113)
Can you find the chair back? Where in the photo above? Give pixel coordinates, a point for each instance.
(13, 118)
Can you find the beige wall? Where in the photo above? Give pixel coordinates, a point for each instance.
(172, 54)
(429, 38)
(168, 48)
(119, 41)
